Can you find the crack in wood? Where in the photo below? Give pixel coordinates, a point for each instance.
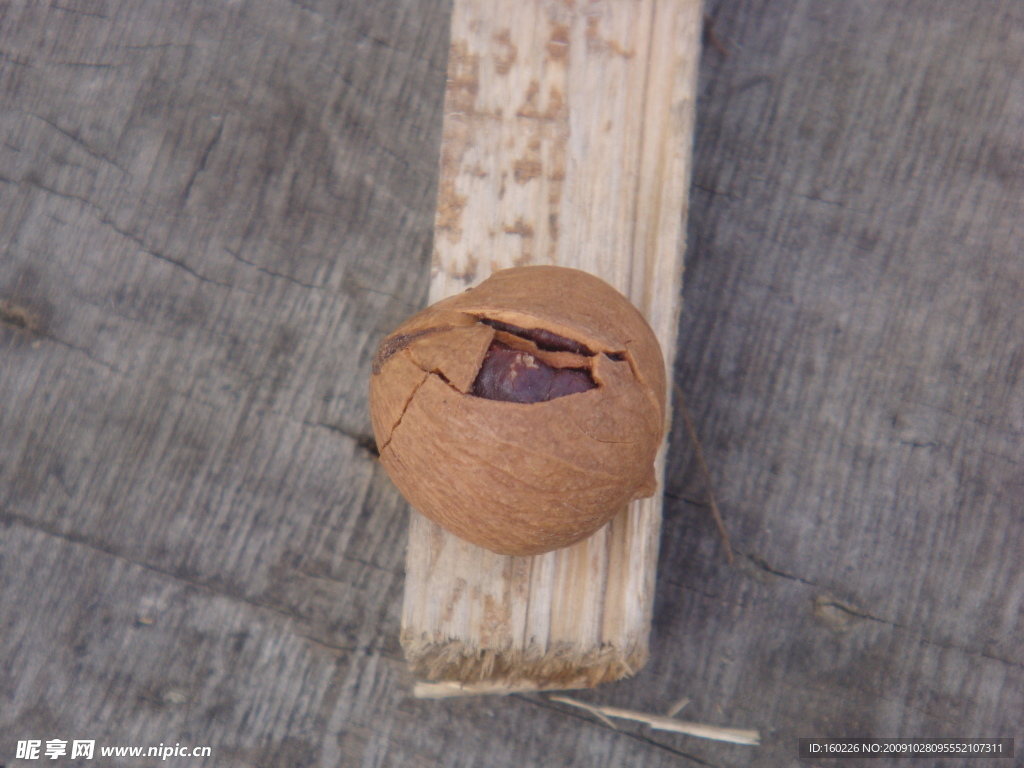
(363, 440)
(201, 165)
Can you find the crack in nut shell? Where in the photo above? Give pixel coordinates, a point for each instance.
(519, 477)
(397, 343)
(544, 339)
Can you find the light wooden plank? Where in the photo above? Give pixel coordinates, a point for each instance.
(566, 140)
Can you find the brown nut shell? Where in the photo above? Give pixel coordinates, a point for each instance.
(537, 469)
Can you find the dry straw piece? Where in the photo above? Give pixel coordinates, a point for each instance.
(522, 415)
(662, 723)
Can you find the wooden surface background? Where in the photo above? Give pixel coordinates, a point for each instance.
(211, 212)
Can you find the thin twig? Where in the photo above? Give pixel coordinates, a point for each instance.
(674, 709)
(446, 690)
(731, 735)
(722, 532)
(595, 711)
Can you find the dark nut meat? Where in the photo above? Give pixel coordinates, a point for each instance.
(523, 414)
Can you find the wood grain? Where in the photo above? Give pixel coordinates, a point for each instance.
(196, 545)
(566, 141)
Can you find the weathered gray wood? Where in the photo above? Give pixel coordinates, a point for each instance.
(209, 215)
